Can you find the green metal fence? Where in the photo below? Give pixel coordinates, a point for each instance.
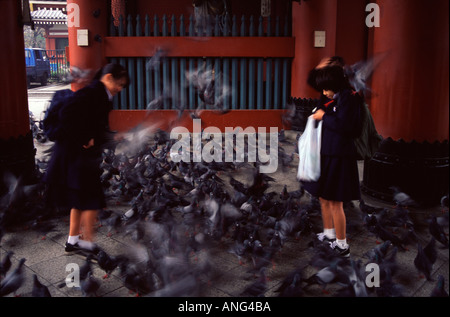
(236, 83)
(59, 66)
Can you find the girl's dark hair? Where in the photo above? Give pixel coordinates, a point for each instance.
(116, 70)
(331, 78)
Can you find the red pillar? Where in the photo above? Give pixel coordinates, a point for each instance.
(411, 83)
(411, 100)
(16, 142)
(91, 16)
(307, 17)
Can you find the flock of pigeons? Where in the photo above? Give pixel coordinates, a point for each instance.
(179, 213)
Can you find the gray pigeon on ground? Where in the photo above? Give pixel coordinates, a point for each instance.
(13, 280)
(39, 289)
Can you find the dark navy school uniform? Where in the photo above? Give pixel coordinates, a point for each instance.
(339, 179)
(73, 174)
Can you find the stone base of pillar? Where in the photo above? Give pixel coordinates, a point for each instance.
(418, 169)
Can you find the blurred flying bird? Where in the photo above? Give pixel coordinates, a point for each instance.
(154, 62)
(359, 74)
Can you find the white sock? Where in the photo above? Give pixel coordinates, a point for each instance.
(342, 243)
(73, 239)
(86, 244)
(330, 233)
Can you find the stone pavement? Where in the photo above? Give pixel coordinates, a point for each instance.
(46, 258)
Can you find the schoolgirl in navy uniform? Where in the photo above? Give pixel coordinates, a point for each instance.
(339, 179)
(73, 174)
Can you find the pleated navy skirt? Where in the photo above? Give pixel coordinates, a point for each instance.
(64, 197)
(338, 181)
(73, 179)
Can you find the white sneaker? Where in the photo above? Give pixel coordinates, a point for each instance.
(341, 251)
(324, 238)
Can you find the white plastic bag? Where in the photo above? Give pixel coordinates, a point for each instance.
(309, 151)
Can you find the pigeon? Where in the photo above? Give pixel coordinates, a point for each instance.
(86, 267)
(401, 198)
(377, 253)
(369, 209)
(356, 286)
(401, 218)
(385, 235)
(357, 279)
(423, 263)
(388, 265)
(261, 257)
(430, 250)
(108, 263)
(292, 284)
(90, 285)
(138, 280)
(185, 286)
(5, 264)
(257, 288)
(439, 289)
(294, 289)
(388, 288)
(39, 289)
(2, 228)
(13, 280)
(78, 75)
(444, 202)
(327, 275)
(438, 232)
(290, 114)
(154, 62)
(359, 73)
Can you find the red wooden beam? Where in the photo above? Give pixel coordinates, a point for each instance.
(185, 46)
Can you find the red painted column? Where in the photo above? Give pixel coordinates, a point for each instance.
(410, 106)
(307, 17)
(16, 142)
(91, 16)
(411, 83)
(13, 90)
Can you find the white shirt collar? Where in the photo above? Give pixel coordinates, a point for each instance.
(110, 96)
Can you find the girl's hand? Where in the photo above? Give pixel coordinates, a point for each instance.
(324, 63)
(90, 144)
(318, 115)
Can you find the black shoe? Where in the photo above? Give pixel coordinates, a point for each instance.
(323, 238)
(343, 252)
(76, 249)
(71, 248)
